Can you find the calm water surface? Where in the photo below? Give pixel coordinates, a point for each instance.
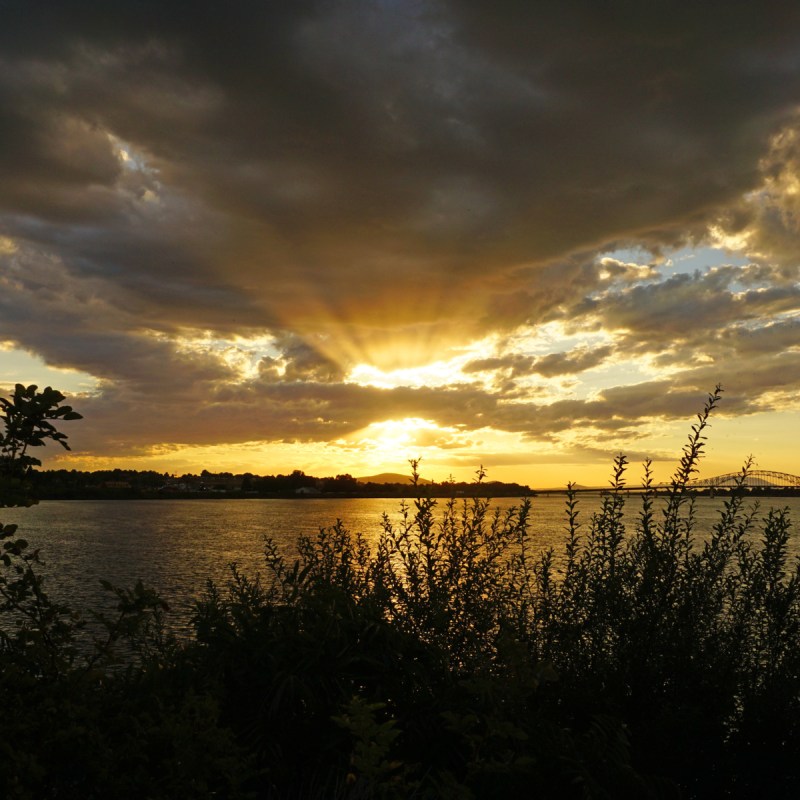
(176, 546)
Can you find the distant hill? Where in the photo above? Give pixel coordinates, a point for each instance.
(579, 486)
(390, 477)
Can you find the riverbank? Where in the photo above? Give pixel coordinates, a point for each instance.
(632, 662)
(486, 491)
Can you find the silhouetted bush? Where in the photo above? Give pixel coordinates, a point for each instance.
(448, 661)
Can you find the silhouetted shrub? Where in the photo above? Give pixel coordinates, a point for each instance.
(447, 662)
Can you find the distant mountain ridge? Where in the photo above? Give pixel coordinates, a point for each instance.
(391, 477)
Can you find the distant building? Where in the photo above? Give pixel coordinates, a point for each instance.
(116, 485)
(224, 483)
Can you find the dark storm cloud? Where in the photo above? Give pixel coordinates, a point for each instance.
(569, 363)
(348, 175)
(94, 327)
(549, 366)
(686, 305)
(348, 136)
(765, 340)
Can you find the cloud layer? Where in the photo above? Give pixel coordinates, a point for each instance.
(220, 211)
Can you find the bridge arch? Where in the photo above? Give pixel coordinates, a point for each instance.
(757, 478)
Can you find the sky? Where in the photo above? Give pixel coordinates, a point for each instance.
(334, 236)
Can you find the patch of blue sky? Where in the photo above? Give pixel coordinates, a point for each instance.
(681, 260)
(702, 259)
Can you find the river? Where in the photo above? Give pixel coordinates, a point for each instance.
(175, 546)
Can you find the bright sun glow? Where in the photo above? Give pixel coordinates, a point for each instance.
(440, 373)
(443, 372)
(396, 435)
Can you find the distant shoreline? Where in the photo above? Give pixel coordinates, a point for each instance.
(403, 493)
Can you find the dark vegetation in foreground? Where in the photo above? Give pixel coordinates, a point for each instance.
(445, 663)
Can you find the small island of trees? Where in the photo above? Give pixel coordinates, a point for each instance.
(62, 484)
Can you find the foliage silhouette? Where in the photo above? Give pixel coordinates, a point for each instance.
(444, 661)
(108, 723)
(26, 417)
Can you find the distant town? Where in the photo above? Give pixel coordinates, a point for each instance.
(121, 484)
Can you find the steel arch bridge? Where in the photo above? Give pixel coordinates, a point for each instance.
(761, 478)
